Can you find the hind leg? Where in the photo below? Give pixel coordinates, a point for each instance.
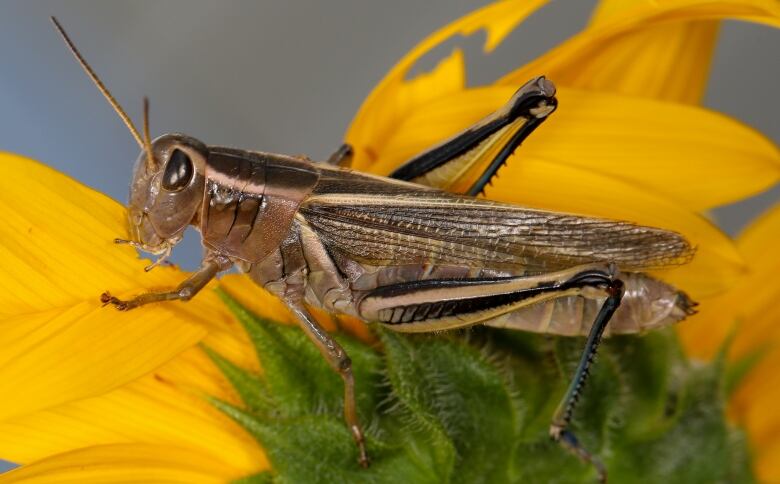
(562, 418)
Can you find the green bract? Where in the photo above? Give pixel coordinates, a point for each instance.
(474, 406)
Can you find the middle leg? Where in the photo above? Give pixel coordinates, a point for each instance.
(339, 360)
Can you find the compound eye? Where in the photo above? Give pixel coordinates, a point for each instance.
(178, 171)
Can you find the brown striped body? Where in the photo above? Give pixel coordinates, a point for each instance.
(264, 212)
(343, 240)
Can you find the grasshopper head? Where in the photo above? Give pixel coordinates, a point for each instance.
(167, 188)
(166, 192)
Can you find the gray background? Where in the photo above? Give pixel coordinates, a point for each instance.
(282, 76)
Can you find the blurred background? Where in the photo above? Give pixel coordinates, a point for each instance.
(283, 76)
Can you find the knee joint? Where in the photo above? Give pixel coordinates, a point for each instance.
(344, 364)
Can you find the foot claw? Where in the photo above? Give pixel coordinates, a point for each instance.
(106, 298)
(364, 461)
(567, 439)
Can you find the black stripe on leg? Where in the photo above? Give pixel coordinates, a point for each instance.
(528, 97)
(431, 310)
(479, 186)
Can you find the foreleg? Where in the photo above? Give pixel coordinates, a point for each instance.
(210, 267)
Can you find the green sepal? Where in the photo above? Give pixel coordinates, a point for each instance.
(251, 388)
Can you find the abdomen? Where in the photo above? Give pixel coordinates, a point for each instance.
(647, 304)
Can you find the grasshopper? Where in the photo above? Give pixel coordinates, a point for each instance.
(400, 250)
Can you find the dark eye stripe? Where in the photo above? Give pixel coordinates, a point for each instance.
(178, 171)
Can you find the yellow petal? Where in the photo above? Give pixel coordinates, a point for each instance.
(669, 61)
(755, 299)
(659, 49)
(758, 242)
(56, 343)
(767, 463)
(125, 463)
(695, 156)
(166, 407)
(756, 310)
(754, 404)
(394, 97)
(702, 335)
(754, 407)
(752, 304)
(67, 354)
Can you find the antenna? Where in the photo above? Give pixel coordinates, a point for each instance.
(147, 138)
(121, 112)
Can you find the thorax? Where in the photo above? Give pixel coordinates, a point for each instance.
(250, 201)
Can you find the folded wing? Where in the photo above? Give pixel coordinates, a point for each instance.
(435, 227)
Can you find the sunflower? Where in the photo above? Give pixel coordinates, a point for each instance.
(176, 393)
